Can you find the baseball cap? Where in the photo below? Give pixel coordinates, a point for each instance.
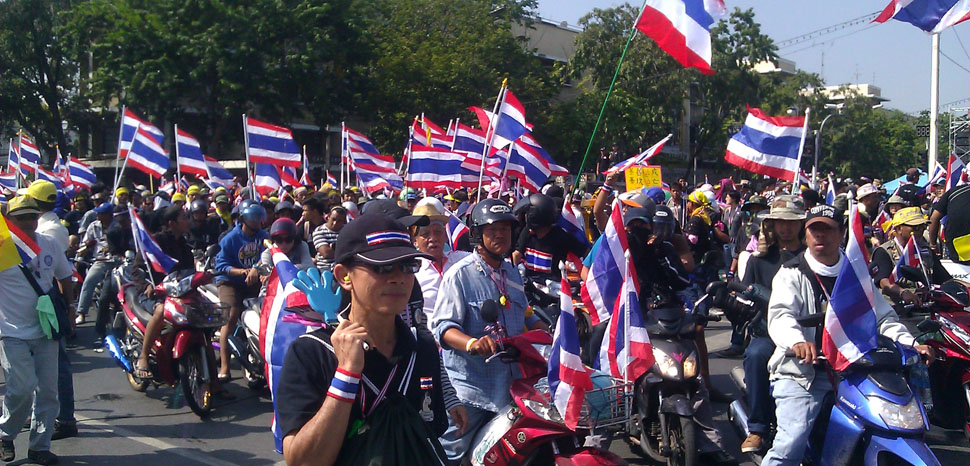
(824, 213)
(42, 191)
(193, 190)
(104, 208)
(284, 205)
(22, 205)
(178, 197)
(866, 190)
(637, 213)
(220, 198)
(375, 239)
(912, 216)
(389, 208)
(121, 190)
(787, 207)
(634, 198)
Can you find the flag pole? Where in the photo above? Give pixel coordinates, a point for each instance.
(609, 92)
(20, 157)
(249, 175)
(121, 129)
(178, 157)
(934, 103)
(626, 320)
(801, 148)
(343, 157)
(490, 135)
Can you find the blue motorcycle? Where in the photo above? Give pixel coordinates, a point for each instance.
(874, 417)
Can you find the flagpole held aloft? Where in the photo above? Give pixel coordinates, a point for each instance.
(801, 148)
(490, 134)
(178, 159)
(121, 129)
(249, 175)
(344, 163)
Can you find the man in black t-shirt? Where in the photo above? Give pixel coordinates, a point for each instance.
(953, 206)
(542, 249)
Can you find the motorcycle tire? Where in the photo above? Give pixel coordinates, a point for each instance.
(682, 437)
(198, 392)
(649, 446)
(134, 342)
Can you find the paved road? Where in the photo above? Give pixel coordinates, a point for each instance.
(120, 427)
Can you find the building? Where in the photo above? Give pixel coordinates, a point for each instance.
(837, 94)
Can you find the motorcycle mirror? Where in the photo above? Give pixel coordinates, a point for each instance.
(212, 250)
(912, 273)
(929, 326)
(811, 320)
(490, 311)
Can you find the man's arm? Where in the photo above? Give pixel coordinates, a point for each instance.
(783, 307)
(934, 229)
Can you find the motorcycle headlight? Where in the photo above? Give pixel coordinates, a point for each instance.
(667, 365)
(690, 366)
(544, 410)
(906, 416)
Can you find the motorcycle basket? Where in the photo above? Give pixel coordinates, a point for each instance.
(608, 404)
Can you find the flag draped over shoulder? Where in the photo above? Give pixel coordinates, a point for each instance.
(568, 377)
(15, 246)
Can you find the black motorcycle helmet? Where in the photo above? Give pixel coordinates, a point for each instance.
(488, 212)
(198, 205)
(536, 210)
(664, 223)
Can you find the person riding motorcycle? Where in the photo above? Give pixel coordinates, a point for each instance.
(460, 328)
(284, 235)
(203, 229)
(908, 222)
(803, 286)
(542, 244)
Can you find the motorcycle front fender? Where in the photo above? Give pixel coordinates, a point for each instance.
(677, 404)
(184, 341)
(913, 450)
(589, 457)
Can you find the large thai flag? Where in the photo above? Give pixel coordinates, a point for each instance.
(910, 257)
(358, 142)
(626, 350)
(431, 167)
(605, 277)
(682, 28)
(850, 320)
(271, 144)
(189, 155)
(267, 178)
(130, 123)
(159, 261)
(29, 154)
(954, 172)
(216, 172)
(147, 155)
(81, 173)
(8, 181)
(26, 246)
(531, 164)
(640, 159)
(13, 158)
(456, 229)
(568, 377)
(767, 145)
(275, 333)
(511, 123)
(929, 15)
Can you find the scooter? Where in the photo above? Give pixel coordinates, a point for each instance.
(182, 354)
(244, 344)
(874, 416)
(530, 430)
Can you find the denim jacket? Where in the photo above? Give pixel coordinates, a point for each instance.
(463, 289)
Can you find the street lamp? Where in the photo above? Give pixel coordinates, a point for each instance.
(818, 139)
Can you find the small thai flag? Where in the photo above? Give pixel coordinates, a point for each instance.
(538, 261)
(456, 229)
(159, 261)
(331, 179)
(26, 246)
(910, 257)
(426, 383)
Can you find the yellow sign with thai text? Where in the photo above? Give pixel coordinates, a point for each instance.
(643, 177)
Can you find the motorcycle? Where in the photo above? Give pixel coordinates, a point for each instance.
(530, 430)
(182, 353)
(244, 341)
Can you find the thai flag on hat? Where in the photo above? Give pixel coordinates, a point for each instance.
(682, 28)
(130, 124)
(767, 145)
(850, 320)
(627, 355)
(568, 376)
(147, 155)
(189, 155)
(271, 144)
(331, 179)
(26, 246)
(160, 262)
(602, 285)
(456, 229)
(29, 154)
(8, 180)
(379, 237)
(910, 257)
(954, 172)
(276, 333)
(538, 261)
(81, 173)
(929, 15)
(830, 193)
(639, 159)
(217, 172)
(431, 167)
(267, 178)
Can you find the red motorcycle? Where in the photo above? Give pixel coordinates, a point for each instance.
(530, 430)
(182, 354)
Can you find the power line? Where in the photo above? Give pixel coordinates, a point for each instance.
(955, 62)
(961, 42)
(817, 44)
(826, 30)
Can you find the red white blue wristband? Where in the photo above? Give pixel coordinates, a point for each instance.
(344, 386)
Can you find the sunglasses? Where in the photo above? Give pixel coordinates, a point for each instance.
(286, 239)
(405, 266)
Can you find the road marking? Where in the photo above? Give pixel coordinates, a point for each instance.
(192, 454)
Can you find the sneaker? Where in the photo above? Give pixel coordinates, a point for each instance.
(754, 443)
(7, 452)
(79, 319)
(63, 430)
(98, 343)
(43, 457)
(732, 352)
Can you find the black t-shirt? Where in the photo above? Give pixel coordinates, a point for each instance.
(309, 367)
(205, 234)
(700, 230)
(176, 248)
(543, 255)
(957, 218)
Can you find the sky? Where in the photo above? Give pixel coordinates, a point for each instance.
(894, 56)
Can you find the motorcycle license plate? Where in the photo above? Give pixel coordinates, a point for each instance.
(490, 434)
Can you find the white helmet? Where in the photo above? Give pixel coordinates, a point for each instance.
(432, 201)
(350, 206)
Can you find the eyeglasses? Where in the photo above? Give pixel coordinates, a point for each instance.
(287, 239)
(405, 266)
(25, 217)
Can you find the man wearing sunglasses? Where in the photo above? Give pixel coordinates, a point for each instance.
(330, 384)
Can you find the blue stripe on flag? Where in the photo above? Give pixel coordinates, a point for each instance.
(786, 146)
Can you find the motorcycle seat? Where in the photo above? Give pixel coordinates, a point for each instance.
(136, 302)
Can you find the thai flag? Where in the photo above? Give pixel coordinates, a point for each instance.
(374, 182)
(830, 194)
(929, 15)
(530, 166)
(640, 159)
(288, 177)
(850, 320)
(275, 333)
(682, 28)
(910, 257)
(8, 180)
(189, 155)
(954, 172)
(146, 154)
(767, 145)
(217, 172)
(81, 173)
(130, 124)
(167, 186)
(359, 142)
(431, 167)
(420, 131)
(372, 162)
(29, 154)
(331, 179)
(183, 184)
(160, 262)
(13, 158)
(568, 378)
(267, 178)
(627, 355)
(271, 144)
(538, 261)
(884, 220)
(43, 174)
(508, 124)
(605, 277)
(26, 246)
(569, 221)
(456, 229)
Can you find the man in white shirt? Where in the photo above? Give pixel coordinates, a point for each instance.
(44, 194)
(432, 239)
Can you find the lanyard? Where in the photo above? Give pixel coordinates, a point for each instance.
(500, 280)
